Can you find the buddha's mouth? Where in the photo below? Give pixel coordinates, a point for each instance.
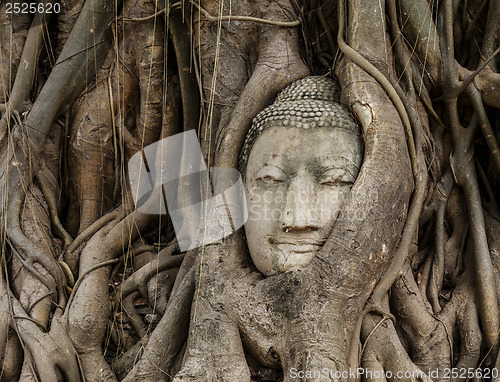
(296, 248)
(296, 245)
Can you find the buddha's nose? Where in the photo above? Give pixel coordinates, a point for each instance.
(300, 209)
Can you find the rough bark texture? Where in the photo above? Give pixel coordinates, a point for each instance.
(92, 289)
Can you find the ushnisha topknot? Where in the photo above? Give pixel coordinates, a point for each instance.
(313, 87)
(308, 103)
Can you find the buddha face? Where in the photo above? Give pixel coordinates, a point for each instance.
(296, 183)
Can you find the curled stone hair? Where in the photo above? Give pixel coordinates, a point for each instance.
(307, 103)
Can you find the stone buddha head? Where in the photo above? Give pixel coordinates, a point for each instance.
(299, 162)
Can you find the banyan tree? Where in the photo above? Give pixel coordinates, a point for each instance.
(365, 134)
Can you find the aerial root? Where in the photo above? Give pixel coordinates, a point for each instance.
(71, 254)
(32, 252)
(54, 216)
(50, 353)
(164, 260)
(135, 319)
(169, 336)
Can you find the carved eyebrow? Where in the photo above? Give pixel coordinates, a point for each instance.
(347, 163)
(350, 169)
(267, 164)
(272, 164)
(269, 171)
(337, 173)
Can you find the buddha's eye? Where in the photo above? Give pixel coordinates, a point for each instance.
(336, 177)
(270, 174)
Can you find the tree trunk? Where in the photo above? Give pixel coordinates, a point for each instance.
(97, 286)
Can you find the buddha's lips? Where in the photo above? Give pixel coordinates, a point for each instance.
(297, 245)
(298, 248)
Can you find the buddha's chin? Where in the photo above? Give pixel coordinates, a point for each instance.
(281, 260)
